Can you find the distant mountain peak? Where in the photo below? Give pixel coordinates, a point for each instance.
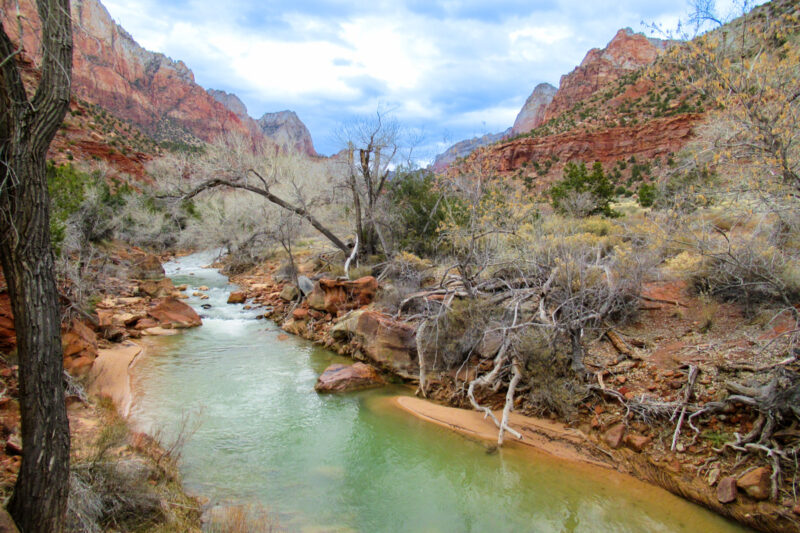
(288, 131)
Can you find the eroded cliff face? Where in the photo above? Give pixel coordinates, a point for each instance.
(149, 89)
(533, 111)
(627, 52)
(657, 138)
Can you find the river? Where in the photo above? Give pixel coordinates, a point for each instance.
(354, 462)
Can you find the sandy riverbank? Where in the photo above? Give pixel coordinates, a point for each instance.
(545, 436)
(110, 375)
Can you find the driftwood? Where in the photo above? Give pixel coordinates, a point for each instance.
(687, 396)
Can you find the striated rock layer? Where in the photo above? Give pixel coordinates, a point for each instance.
(657, 138)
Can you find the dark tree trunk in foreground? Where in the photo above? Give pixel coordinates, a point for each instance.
(27, 126)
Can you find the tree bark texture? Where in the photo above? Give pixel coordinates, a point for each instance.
(27, 126)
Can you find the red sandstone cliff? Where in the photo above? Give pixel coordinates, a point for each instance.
(627, 52)
(112, 70)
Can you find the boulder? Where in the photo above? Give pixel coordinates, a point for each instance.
(636, 442)
(340, 296)
(295, 327)
(147, 267)
(387, 343)
(289, 293)
(726, 490)
(172, 313)
(316, 298)
(157, 289)
(300, 314)
(305, 285)
(613, 437)
(756, 483)
(237, 297)
(340, 378)
(79, 341)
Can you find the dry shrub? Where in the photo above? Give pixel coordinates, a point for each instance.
(749, 269)
(554, 387)
(242, 519)
(454, 334)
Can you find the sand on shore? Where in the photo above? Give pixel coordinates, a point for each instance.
(543, 435)
(110, 375)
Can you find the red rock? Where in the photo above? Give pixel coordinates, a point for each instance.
(726, 490)
(387, 342)
(534, 110)
(157, 289)
(340, 378)
(172, 313)
(613, 436)
(336, 296)
(79, 341)
(626, 52)
(147, 267)
(146, 323)
(635, 442)
(756, 483)
(300, 314)
(237, 297)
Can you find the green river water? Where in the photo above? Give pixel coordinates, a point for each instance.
(354, 462)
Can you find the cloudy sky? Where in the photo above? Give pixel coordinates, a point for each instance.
(449, 70)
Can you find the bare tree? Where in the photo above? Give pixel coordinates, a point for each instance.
(27, 126)
(233, 162)
(373, 146)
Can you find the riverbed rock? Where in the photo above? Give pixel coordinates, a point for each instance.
(147, 267)
(726, 490)
(613, 437)
(340, 378)
(385, 342)
(237, 297)
(756, 483)
(289, 293)
(157, 289)
(295, 327)
(305, 285)
(172, 313)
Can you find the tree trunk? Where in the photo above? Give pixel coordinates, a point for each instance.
(40, 495)
(27, 126)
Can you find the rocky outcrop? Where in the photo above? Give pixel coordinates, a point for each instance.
(381, 340)
(341, 378)
(656, 138)
(172, 313)
(80, 348)
(286, 130)
(533, 111)
(627, 51)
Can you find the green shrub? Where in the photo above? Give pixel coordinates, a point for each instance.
(647, 194)
(582, 192)
(421, 209)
